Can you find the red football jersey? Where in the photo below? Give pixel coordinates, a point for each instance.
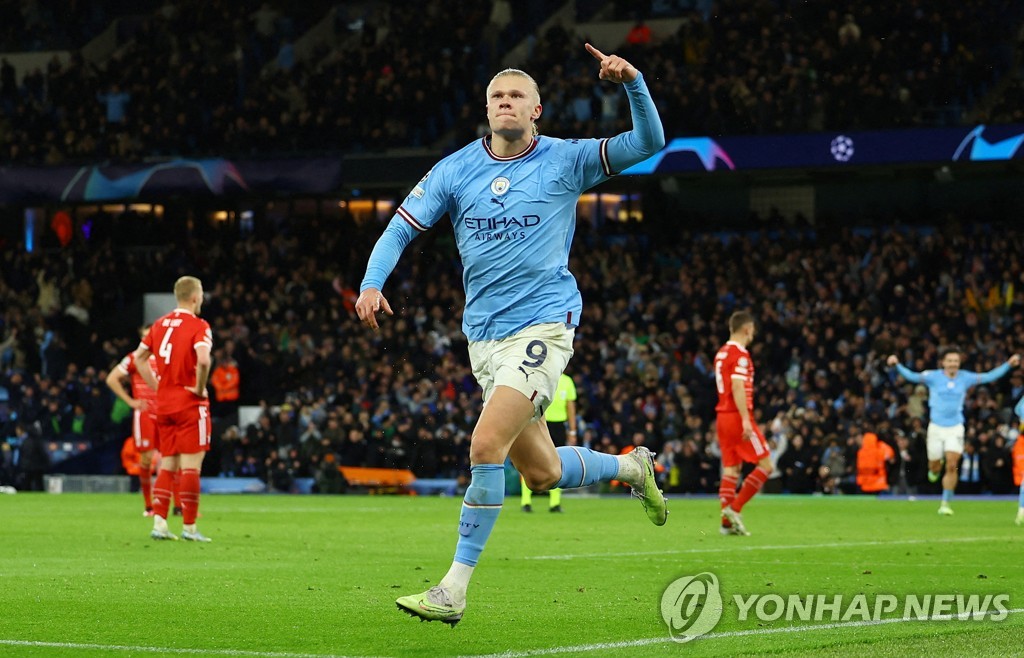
(733, 362)
(140, 389)
(173, 340)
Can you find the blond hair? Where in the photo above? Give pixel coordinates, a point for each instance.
(522, 74)
(186, 287)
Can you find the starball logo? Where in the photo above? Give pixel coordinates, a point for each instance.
(692, 606)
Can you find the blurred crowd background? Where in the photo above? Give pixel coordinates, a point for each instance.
(211, 77)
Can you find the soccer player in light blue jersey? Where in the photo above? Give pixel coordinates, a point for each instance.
(947, 390)
(512, 201)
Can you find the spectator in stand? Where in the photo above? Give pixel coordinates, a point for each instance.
(639, 34)
(798, 464)
(33, 459)
(116, 101)
(226, 382)
(911, 465)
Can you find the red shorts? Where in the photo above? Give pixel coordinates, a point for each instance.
(144, 430)
(735, 448)
(184, 432)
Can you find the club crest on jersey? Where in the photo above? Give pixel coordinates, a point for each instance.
(500, 185)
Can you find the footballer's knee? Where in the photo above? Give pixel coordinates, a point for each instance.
(543, 477)
(486, 450)
(766, 466)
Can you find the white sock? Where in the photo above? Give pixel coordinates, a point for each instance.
(629, 470)
(159, 523)
(189, 528)
(456, 581)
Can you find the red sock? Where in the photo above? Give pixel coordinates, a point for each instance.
(177, 489)
(189, 495)
(146, 485)
(726, 493)
(751, 485)
(162, 492)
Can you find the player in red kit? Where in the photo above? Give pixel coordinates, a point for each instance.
(738, 435)
(142, 400)
(181, 342)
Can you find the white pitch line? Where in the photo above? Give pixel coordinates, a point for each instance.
(778, 547)
(872, 563)
(174, 650)
(584, 648)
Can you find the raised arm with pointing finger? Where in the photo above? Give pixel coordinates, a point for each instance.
(512, 201)
(512, 117)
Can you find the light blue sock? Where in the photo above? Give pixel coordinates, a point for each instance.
(1021, 501)
(480, 509)
(947, 495)
(582, 467)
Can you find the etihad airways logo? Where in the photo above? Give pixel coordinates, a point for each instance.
(500, 228)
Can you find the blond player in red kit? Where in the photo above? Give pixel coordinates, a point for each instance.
(182, 343)
(739, 437)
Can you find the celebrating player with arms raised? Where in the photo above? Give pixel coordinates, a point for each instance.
(512, 200)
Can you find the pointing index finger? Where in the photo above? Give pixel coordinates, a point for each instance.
(598, 55)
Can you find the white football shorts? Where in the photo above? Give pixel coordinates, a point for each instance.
(944, 439)
(530, 361)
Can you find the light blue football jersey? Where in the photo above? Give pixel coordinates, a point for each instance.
(514, 219)
(946, 395)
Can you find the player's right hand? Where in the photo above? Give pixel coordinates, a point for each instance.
(370, 302)
(892, 360)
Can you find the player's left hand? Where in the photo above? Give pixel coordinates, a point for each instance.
(201, 393)
(613, 67)
(1015, 360)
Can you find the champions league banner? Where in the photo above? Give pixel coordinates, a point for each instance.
(218, 177)
(834, 150)
(210, 177)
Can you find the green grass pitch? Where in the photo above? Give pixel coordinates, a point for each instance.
(303, 576)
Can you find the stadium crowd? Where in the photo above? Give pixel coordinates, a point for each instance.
(830, 309)
(198, 77)
(760, 66)
(209, 77)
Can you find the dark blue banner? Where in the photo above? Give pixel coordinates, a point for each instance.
(211, 177)
(831, 150)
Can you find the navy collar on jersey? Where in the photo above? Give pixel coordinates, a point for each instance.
(505, 158)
